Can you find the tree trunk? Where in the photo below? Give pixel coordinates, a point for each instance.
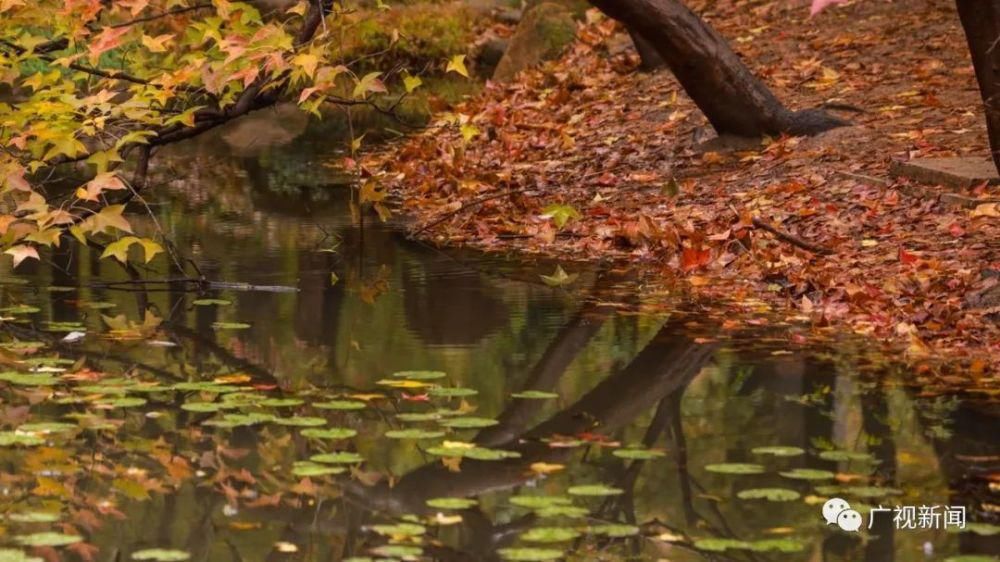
(981, 22)
(730, 96)
(651, 59)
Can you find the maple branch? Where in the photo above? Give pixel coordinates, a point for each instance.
(791, 238)
(168, 13)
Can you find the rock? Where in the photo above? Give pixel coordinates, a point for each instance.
(487, 53)
(509, 16)
(576, 7)
(958, 173)
(542, 35)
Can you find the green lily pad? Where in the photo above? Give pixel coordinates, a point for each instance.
(34, 517)
(20, 309)
(614, 531)
(12, 555)
(452, 392)
(202, 406)
(971, 558)
(400, 530)
(340, 405)
(211, 302)
(47, 539)
(281, 402)
(779, 451)
(841, 456)
(550, 534)
(98, 305)
(24, 379)
(306, 468)
(808, 474)
(535, 395)
(720, 545)
(418, 417)
(48, 428)
(594, 490)
(776, 545)
(300, 421)
(230, 325)
(161, 555)
(468, 422)
(338, 458)
(413, 434)
(206, 386)
(536, 502)
(13, 438)
(735, 468)
(571, 511)
(769, 494)
(475, 453)
(398, 551)
(638, 454)
(329, 433)
(452, 503)
(420, 375)
(125, 402)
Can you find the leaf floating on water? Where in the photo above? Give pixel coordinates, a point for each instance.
(769, 494)
(211, 302)
(400, 530)
(121, 403)
(22, 379)
(529, 554)
(720, 545)
(340, 405)
(420, 375)
(470, 451)
(841, 456)
(535, 502)
(559, 278)
(33, 517)
(329, 433)
(338, 458)
(594, 490)
(300, 421)
(281, 402)
(452, 392)
(418, 417)
(161, 555)
(47, 539)
(203, 407)
(535, 395)
(808, 474)
(230, 325)
(12, 438)
(468, 422)
(402, 383)
(638, 454)
(779, 451)
(413, 434)
(307, 468)
(614, 531)
(735, 468)
(398, 551)
(452, 503)
(971, 558)
(550, 534)
(12, 555)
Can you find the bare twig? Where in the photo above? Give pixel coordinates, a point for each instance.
(474, 203)
(791, 238)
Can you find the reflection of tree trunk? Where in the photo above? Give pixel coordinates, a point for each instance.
(666, 364)
(875, 422)
(568, 343)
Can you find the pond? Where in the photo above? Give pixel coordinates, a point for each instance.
(343, 392)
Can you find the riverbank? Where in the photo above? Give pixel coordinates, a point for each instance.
(587, 158)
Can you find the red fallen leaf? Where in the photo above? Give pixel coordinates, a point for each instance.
(607, 180)
(906, 257)
(692, 258)
(416, 397)
(956, 230)
(265, 386)
(85, 551)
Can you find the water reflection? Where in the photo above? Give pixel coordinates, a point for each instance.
(368, 304)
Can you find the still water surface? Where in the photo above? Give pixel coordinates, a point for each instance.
(639, 435)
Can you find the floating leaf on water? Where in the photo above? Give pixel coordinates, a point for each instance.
(475, 453)
(33, 517)
(420, 375)
(550, 534)
(211, 302)
(13, 438)
(779, 451)
(306, 468)
(720, 545)
(982, 529)
(340, 405)
(98, 305)
(413, 434)
(281, 402)
(22, 346)
(47, 539)
(238, 420)
(206, 386)
(24, 379)
(452, 392)
(338, 458)
(201, 406)
(230, 325)
(808, 474)
(559, 278)
(735, 468)
(535, 395)
(776, 545)
(400, 530)
(47, 428)
(869, 491)
(64, 327)
(126, 402)
(769, 494)
(594, 490)
(20, 309)
(614, 531)
(529, 554)
(402, 383)
(452, 503)
(468, 422)
(12, 555)
(161, 555)
(535, 502)
(638, 454)
(971, 558)
(300, 421)
(329, 433)
(841, 456)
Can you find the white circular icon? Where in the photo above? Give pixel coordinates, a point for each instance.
(849, 520)
(832, 508)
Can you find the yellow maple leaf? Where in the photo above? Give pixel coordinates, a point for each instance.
(457, 64)
(21, 253)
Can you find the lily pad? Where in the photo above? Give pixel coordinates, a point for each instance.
(769, 494)
(536, 502)
(535, 395)
(614, 531)
(306, 468)
(594, 490)
(468, 422)
(413, 434)
(329, 433)
(24, 379)
(230, 325)
(779, 451)
(400, 530)
(841, 456)
(735, 468)
(47, 539)
(12, 438)
(452, 392)
(281, 402)
(338, 458)
(34, 517)
(529, 554)
(340, 405)
(300, 421)
(418, 417)
(638, 454)
(12, 555)
(398, 551)
(452, 503)
(420, 375)
(211, 302)
(550, 534)
(808, 474)
(475, 453)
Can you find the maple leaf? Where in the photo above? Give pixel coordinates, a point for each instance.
(21, 253)
(109, 217)
(119, 248)
(559, 278)
(156, 44)
(457, 64)
(107, 39)
(693, 258)
(107, 181)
